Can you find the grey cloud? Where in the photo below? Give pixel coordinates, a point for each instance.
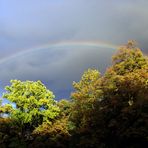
(28, 24)
(114, 21)
(60, 68)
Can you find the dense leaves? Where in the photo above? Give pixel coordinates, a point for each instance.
(120, 117)
(34, 103)
(84, 98)
(108, 111)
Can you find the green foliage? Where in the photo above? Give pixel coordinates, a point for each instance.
(34, 103)
(127, 79)
(107, 111)
(57, 133)
(87, 93)
(128, 58)
(87, 86)
(65, 106)
(121, 113)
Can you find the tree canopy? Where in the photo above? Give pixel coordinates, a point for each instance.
(104, 111)
(34, 103)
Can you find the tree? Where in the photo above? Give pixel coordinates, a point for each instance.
(125, 101)
(86, 94)
(128, 58)
(111, 111)
(105, 111)
(127, 77)
(34, 104)
(57, 133)
(85, 101)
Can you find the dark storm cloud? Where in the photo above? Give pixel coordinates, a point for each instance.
(59, 69)
(32, 23)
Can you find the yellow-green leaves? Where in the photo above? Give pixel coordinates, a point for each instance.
(129, 58)
(127, 78)
(87, 86)
(34, 102)
(87, 93)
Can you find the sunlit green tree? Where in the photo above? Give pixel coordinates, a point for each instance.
(87, 93)
(34, 104)
(57, 133)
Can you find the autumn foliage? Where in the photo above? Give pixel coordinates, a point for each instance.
(104, 111)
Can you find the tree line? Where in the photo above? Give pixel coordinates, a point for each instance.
(107, 110)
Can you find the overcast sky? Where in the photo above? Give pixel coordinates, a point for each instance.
(26, 25)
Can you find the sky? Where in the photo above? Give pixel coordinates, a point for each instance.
(55, 41)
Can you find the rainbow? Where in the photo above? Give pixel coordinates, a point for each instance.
(62, 44)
